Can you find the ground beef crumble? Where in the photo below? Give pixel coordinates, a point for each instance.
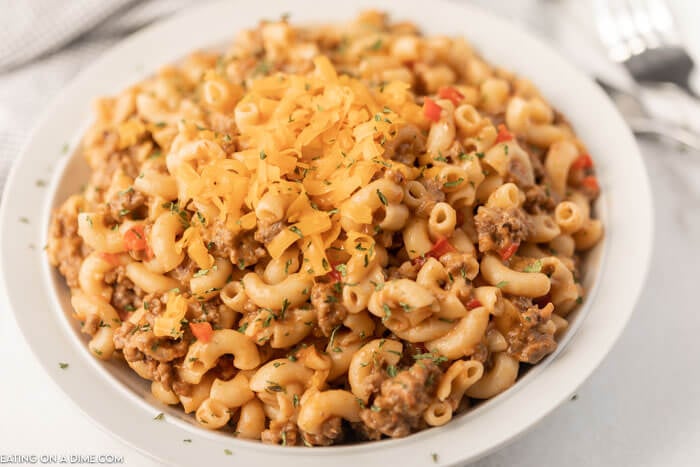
(327, 301)
(398, 409)
(528, 339)
(331, 433)
(499, 228)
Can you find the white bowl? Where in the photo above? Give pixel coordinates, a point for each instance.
(121, 403)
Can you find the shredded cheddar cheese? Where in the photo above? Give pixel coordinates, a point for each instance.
(318, 136)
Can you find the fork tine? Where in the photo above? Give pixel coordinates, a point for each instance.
(643, 23)
(662, 22)
(609, 32)
(624, 12)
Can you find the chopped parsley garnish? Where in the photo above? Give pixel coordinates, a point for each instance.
(480, 155)
(285, 307)
(505, 149)
(24, 220)
(160, 416)
(228, 452)
(453, 183)
(376, 45)
(295, 400)
(391, 370)
(434, 456)
(502, 284)
(437, 359)
(266, 323)
(182, 214)
(342, 269)
(579, 300)
(187, 440)
(286, 266)
(201, 272)
(296, 230)
(263, 156)
(331, 340)
(62, 365)
(534, 267)
(274, 387)
(263, 68)
(382, 198)
(387, 312)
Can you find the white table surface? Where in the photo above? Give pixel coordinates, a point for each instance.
(640, 408)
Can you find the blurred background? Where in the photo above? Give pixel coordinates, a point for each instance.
(640, 408)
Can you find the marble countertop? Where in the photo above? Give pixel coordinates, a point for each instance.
(641, 407)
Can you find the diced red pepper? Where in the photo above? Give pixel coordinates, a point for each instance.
(503, 134)
(335, 275)
(202, 331)
(509, 251)
(448, 92)
(473, 303)
(431, 110)
(111, 258)
(135, 239)
(583, 161)
(439, 248)
(590, 182)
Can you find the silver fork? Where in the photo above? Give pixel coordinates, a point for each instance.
(635, 114)
(641, 35)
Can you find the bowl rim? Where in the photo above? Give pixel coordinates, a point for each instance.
(163, 441)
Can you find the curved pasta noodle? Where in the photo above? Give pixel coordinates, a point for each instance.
(533, 284)
(501, 376)
(320, 406)
(202, 356)
(362, 362)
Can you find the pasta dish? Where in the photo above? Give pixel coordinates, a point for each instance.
(328, 234)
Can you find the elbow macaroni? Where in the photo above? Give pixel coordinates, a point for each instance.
(285, 236)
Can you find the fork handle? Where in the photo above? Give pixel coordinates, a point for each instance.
(647, 126)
